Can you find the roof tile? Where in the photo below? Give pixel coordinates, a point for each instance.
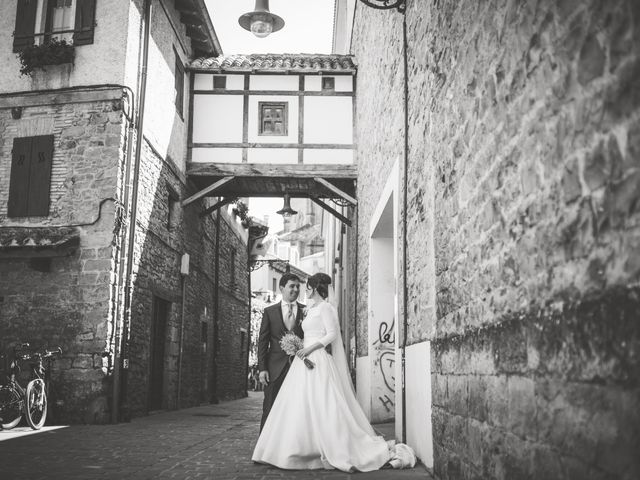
(300, 62)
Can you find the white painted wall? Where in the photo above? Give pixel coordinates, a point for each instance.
(101, 62)
(418, 398)
(328, 120)
(272, 155)
(363, 384)
(217, 118)
(216, 155)
(343, 83)
(204, 81)
(330, 156)
(274, 82)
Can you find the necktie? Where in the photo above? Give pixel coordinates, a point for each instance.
(290, 321)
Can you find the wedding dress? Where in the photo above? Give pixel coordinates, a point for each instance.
(316, 421)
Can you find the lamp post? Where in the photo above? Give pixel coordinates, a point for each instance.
(261, 22)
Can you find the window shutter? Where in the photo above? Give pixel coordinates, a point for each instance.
(40, 175)
(85, 21)
(25, 24)
(19, 186)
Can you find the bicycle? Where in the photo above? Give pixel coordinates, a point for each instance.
(32, 400)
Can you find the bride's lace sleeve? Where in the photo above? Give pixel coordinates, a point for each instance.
(330, 322)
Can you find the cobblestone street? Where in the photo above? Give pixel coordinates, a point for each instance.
(213, 441)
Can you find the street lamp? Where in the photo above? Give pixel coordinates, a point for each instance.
(286, 210)
(261, 22)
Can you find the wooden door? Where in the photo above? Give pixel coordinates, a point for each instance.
(159, 319)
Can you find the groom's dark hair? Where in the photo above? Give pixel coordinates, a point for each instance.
(287, 277)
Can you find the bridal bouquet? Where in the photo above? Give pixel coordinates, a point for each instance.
(290, 344)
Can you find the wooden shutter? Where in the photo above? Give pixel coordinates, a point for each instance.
(40, 175)
(179, 85)
(25, 24)
(19, 186)
(85, 21)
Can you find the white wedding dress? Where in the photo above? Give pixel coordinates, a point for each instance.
(316, 421)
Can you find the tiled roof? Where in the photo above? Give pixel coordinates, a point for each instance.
(285, 62)
(25, 237)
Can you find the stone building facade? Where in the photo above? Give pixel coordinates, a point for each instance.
(522, 233)
(63, 255)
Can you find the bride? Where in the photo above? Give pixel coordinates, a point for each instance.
(316, 421)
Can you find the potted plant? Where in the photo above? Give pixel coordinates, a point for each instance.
(52, 52)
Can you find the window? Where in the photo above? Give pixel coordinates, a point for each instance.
(273, 118)
(38, 21)
(179, 84)
(328, 83)
(232, 266)
(219, 82)
(173, 207)
(30, 180)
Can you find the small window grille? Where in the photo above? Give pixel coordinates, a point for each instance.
(219, 82)
(328, 83)
(273, 119)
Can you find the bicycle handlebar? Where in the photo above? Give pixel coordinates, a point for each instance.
(31, 355)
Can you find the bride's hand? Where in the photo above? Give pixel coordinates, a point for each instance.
(303, 352)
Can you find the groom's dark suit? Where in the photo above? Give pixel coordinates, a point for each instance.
(270, 356)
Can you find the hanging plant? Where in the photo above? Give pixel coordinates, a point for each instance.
(53, 52)
(242, 212)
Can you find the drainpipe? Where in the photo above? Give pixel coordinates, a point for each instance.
(216, 308)
(121, 400)
(184, 272)
(405, 181)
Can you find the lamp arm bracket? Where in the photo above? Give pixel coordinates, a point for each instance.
(386, 4)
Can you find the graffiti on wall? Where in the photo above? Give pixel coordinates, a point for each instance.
(384, 369)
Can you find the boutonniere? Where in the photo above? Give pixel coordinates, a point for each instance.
(305, 311)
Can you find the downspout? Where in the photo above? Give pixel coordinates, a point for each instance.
(180, 350)
(216, 305)
(118, 310)
(134, 207)
(405, 181)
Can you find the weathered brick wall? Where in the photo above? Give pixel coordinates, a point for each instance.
(379, 96)
(68, 305)
(158, 253)
(231, 358)
(524, 183)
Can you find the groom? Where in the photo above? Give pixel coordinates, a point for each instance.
(278, 319)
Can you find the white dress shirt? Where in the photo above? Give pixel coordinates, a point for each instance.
(285, 309)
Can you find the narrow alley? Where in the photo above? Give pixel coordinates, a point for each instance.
(209, 442)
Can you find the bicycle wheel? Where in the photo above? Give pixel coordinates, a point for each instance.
(36, 407)
(10, 406)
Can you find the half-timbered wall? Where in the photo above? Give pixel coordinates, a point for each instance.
(318, 122)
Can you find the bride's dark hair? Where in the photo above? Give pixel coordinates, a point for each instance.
(320, 282)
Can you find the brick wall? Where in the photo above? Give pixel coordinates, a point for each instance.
(159, 250)
(68, 305)
(524, 186)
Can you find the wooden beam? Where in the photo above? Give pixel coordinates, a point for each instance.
(271, 170)
(308, 93)
(320, 146)
(207, 191)
(333, 212)
(336, 190)
(216, 206)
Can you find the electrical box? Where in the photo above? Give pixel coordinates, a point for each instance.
(184, 266)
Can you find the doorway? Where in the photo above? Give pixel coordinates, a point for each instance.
(159, 320)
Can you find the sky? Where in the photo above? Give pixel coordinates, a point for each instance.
(307, 29)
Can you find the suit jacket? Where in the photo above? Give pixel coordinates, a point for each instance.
(270, 356)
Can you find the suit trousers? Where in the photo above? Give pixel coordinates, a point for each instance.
(271, 392)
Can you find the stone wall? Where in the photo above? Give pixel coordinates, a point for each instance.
(66, 300)
(159, 249)
(524, 188)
